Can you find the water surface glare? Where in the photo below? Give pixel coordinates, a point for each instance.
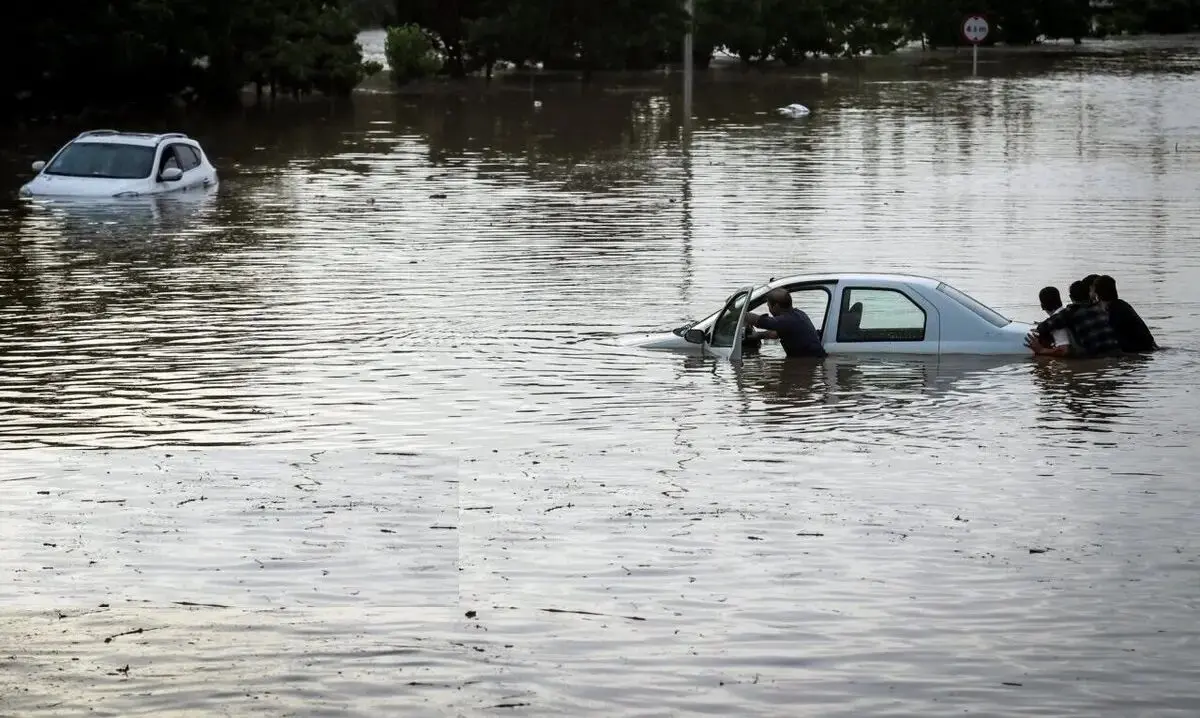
(356, 434)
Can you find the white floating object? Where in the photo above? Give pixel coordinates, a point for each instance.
(537, 103)
(793, 110)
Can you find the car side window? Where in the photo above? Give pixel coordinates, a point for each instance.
(188, 158)
(725, 328)
(813, 301)
(168, 159)
(873, 314)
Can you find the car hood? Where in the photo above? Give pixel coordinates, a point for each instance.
(655, 340)
(54, 185)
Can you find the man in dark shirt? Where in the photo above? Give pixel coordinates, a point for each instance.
(1088, 324)
(793, 327)
(1132, 333)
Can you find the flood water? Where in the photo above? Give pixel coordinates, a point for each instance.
(357, 435)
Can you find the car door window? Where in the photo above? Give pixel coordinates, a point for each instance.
(813, 301)
(725, 329)
(875, 314)
(188, 158)
(168, 159)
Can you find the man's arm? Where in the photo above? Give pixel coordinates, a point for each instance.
(765, 321)
(762, 322)
(1039, 349)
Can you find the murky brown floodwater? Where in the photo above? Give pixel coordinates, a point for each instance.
(349, 412)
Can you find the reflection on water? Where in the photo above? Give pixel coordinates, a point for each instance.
(227, 399)
(1094, 395)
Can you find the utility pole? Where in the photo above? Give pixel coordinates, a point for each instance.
(688, 71)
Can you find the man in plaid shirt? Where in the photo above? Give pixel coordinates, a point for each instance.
(1086, 321)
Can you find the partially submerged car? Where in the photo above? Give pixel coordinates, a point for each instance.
(859, 314)
(108, 163)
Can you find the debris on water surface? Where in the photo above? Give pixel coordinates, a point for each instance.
(591, 613)
(1038, 550)
(128, 633)
(439, 195)
(1009, 683)
(755, 538)
(471, 614)
(810, 533)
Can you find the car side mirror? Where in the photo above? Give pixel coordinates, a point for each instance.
(39, 165)
(171, 174)
(694, 336)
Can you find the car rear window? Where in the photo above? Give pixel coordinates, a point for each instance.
(982, 310)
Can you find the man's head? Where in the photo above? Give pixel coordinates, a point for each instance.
(1089, 280)
(779, 301)
(1079, 292)
(1105, 289)
(1050, 298)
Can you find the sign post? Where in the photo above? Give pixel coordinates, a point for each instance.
(975, 30)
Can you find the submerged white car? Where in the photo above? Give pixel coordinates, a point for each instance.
(108, 163)
(859, 314)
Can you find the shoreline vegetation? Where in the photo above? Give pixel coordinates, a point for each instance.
(141, 54)
(904, 61)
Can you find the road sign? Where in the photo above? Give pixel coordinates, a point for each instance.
(975, 29)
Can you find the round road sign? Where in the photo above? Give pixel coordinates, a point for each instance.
(975, 29)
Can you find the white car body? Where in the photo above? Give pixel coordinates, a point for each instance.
(108, 163)
(860, 314)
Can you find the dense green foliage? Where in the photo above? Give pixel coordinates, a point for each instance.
(410, 54)
(373, 13)
(124, 52)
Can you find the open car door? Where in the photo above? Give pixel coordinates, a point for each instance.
(725, 338)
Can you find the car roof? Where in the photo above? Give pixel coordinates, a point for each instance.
(855, 277)
(144, 139)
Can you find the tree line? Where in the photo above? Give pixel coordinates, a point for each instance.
(642, 34)
(119, 53)
(122, 53)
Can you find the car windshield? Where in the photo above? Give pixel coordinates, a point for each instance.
(987, 313)
(103, 161)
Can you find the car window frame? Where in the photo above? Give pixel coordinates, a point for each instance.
(729, 307)
(826, 286)
(844, 308)
(758, 298)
